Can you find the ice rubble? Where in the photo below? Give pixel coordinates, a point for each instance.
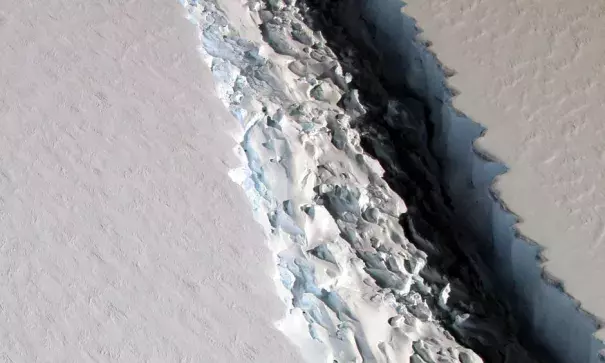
(356, 289)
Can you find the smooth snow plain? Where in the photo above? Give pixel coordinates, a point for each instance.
(517, 97)
(122, 238)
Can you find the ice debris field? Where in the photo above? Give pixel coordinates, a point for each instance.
(355, 289)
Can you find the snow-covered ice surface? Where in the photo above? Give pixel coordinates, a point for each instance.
(354, 287)
(531, 72)
(122, 238)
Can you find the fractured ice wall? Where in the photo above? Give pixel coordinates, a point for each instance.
(349, 279)
(551, 317)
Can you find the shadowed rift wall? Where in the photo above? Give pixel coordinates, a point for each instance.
(551, 319)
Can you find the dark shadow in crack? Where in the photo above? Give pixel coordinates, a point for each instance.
(402, 129)
(450, 207)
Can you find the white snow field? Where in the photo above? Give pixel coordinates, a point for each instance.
(122, 238)
(530, 74)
